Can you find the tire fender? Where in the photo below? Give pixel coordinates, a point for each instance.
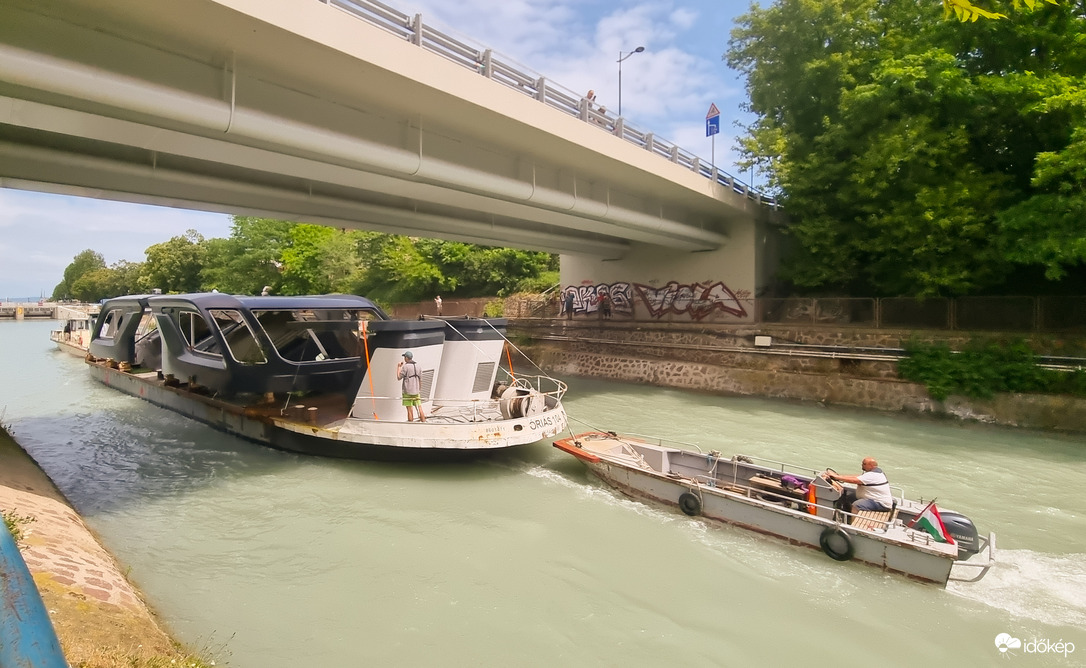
(836, 544)
(690, 504)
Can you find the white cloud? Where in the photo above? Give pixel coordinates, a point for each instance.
(41, 233)
(576, 44)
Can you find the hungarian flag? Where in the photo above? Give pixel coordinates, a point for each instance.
(930, 521)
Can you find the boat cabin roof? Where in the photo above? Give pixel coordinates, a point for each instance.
(282, 303)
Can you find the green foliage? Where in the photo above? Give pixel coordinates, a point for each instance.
(984, 370)
(963, 10)
(175, 265)
(495, 308)
(917, 156)
(121, 278)
(82, 264)
(396, 270)
(15, 523)
(249, 259)
(294, 259)
(537, 284)
(318, 260)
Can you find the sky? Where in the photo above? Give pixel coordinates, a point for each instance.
(667, 89)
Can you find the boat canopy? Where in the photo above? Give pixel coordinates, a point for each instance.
(245, 345)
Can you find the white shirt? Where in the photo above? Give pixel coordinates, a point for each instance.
(875, 486)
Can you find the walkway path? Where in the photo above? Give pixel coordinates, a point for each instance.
(99, 617)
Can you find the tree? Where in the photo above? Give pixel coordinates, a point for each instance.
(487, 270)
(82, 264)
(250, 259)
(121, 278)
(902, 144)
(394, 269)
(175, 265)
(320, 259)
(964, 10)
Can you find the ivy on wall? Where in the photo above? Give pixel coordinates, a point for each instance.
(984, 369)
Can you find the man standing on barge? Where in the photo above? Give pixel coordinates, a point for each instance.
(408, 371)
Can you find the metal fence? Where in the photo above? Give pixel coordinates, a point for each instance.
(973, 314)
(1000, 314)
(503, 70)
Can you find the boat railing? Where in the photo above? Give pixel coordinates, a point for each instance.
(754, 492)
(986, 544)
(544, 385)
(664, 442)
(794, 469)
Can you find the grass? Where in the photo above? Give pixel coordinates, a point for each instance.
(15, 523)
(122, 659)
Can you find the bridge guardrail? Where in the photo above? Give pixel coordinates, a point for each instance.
(508, 73)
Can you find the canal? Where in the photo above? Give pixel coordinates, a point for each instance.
(276, 560)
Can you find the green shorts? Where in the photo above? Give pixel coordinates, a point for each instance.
(412, 400)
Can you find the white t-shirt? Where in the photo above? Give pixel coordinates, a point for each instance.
(875, 487)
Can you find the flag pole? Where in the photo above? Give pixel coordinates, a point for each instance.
(921, 513)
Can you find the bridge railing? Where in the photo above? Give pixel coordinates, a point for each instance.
(507, 72)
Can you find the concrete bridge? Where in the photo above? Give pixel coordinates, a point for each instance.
(350, 114)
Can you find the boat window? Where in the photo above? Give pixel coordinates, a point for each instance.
(197, 334)
(147, 326)
(240, 340)
(313, 335)
(111, 323)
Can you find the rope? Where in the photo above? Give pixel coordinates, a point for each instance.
(369, 369)
(511, 345)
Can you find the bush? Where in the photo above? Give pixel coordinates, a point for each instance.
(985, 369)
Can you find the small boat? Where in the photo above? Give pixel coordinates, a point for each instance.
(790, 502)
(74, 337)
(318, 374)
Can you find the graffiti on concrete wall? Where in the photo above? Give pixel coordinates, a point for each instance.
(696, 300)
(586, 298)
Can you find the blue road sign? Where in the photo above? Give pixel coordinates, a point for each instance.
(712, 125)
(712, 121)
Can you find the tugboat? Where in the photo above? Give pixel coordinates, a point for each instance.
(318, 374)
(74, 337)
(797, 504)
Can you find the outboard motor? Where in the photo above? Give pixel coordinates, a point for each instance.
(964, 532)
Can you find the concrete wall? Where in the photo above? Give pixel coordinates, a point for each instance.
(651, 282)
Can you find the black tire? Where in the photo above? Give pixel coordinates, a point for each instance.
(690, 504)
(836, 544)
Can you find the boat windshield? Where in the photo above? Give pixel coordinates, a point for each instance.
(238, 336)
(313, 335)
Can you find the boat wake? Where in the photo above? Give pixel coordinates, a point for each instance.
(1045, 588)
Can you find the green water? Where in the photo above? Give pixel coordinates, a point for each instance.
(276, 560)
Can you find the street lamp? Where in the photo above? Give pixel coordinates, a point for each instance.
(620, 59)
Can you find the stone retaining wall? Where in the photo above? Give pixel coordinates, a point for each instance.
(724, 361)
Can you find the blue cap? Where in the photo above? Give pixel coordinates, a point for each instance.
(408, 355)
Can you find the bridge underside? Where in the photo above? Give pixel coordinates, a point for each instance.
(308, 114)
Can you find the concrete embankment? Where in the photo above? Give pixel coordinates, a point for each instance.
(723, 359)
(98, 615)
